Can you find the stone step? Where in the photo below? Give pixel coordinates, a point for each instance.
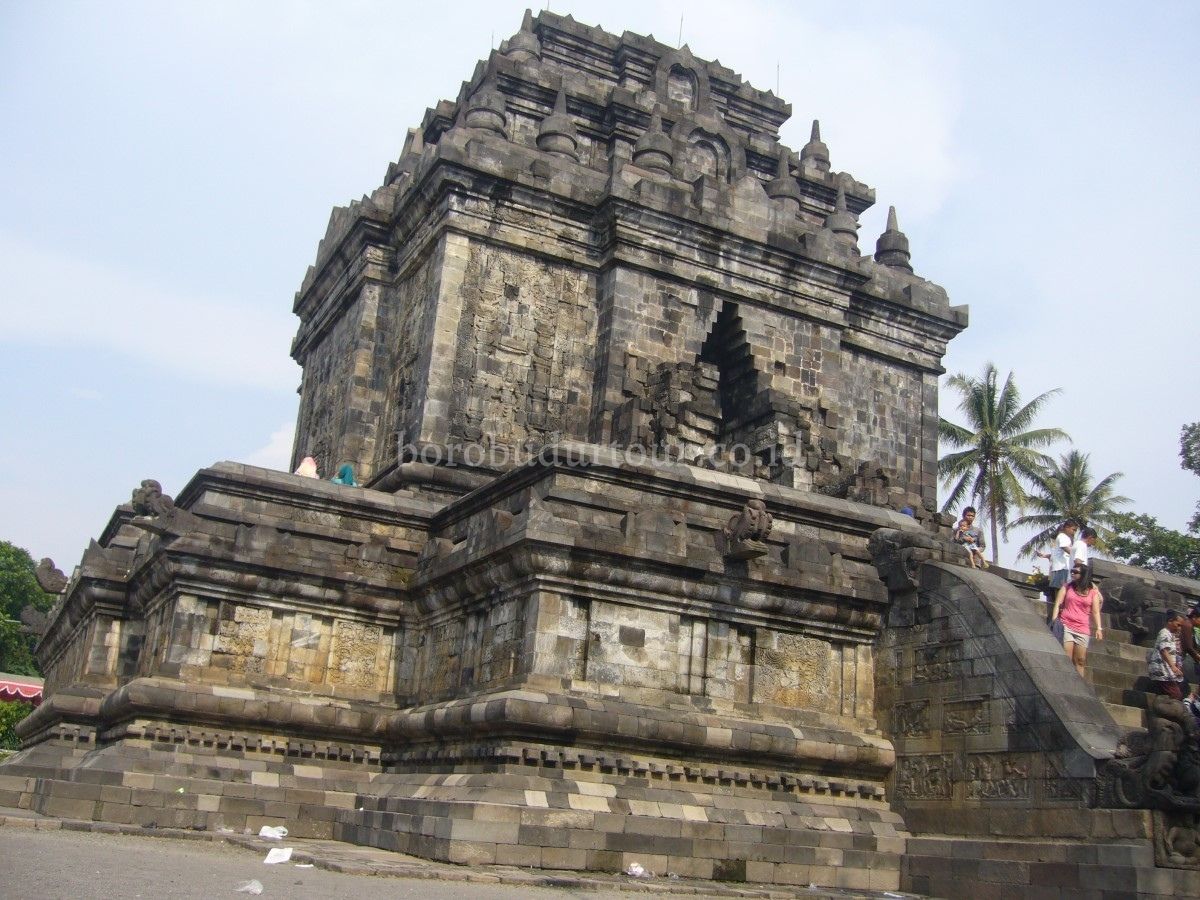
(951, 866)
(591, 839)
(1126, 716)
(1124, 650)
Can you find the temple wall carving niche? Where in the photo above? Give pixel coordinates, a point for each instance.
(525, 351)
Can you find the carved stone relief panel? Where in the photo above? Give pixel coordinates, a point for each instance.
(938, 662)
(972, 716)
(243, 638)
(997, 776)
(924, 777)
(911, 719)
(354, 658)
(797, 671)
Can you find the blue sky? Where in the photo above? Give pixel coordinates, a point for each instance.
(167, 171)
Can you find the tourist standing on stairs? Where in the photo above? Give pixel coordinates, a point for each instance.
(1060, 556)
(1189, 645)
(1082, 547)
(1164, 660)
(1078, 606)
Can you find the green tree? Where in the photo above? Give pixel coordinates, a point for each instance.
(10, 714)
(1189, 458)
(18, 589)
(997, 449)
(1065, 491)
(1141, 541)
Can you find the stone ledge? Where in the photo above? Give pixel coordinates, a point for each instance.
(575, 720)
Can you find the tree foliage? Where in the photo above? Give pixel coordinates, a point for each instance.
(18, 589)
(10, 714)
(1189, 458)
(998, 450)
(1141, 541)
(1065, 491)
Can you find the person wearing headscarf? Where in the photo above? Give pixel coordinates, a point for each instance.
(345, 475)
(307, 468)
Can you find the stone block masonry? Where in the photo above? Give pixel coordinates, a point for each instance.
(628, 578)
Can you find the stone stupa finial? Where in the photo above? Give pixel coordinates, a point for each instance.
(892, 247)
(842, 222)
(557, 134)
(654, 150)
(486, 110)
(783, 186)
(524, 45)
(815, 153)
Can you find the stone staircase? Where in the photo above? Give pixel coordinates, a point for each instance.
(1116, 666)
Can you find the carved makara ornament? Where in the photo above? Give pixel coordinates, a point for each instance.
(1159, 769)
(158, 514)
(49, 578)
(746, 533)
(149, 500)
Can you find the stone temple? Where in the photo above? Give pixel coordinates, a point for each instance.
(629, 578)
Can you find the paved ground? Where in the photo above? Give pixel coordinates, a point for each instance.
(46, 859)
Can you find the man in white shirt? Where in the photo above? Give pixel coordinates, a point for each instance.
(1060, 556)
(1083, 545)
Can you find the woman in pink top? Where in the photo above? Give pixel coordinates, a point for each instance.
(1078, 607)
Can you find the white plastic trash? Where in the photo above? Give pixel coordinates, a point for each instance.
(635, 870)
(278, 855)
(254, 886)
(273, 832)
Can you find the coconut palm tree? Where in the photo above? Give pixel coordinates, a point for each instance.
(1065, 491)
(997, 450)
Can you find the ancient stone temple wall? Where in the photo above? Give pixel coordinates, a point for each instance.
(577, 244)
(633, 643)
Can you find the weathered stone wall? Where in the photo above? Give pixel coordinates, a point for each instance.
(525, 351)
(607, 224)
(335, 395)
(402, 364)
(223, 641)
(886, 416)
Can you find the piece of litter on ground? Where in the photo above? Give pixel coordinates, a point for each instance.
(221, 829)
(179, 790)
(278, 855)
(254, 886)
(673, 876)
(890, 894)
(635, 870)
(304, 865)
(273, 832)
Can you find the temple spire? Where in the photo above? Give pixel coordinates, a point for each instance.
(842, 222)
(524, 45)
(654, 150)
(783, 186)
(815, 153)
(892, 247)
(557, 133)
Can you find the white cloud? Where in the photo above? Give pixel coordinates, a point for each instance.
(276, 453)
(55, 300)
